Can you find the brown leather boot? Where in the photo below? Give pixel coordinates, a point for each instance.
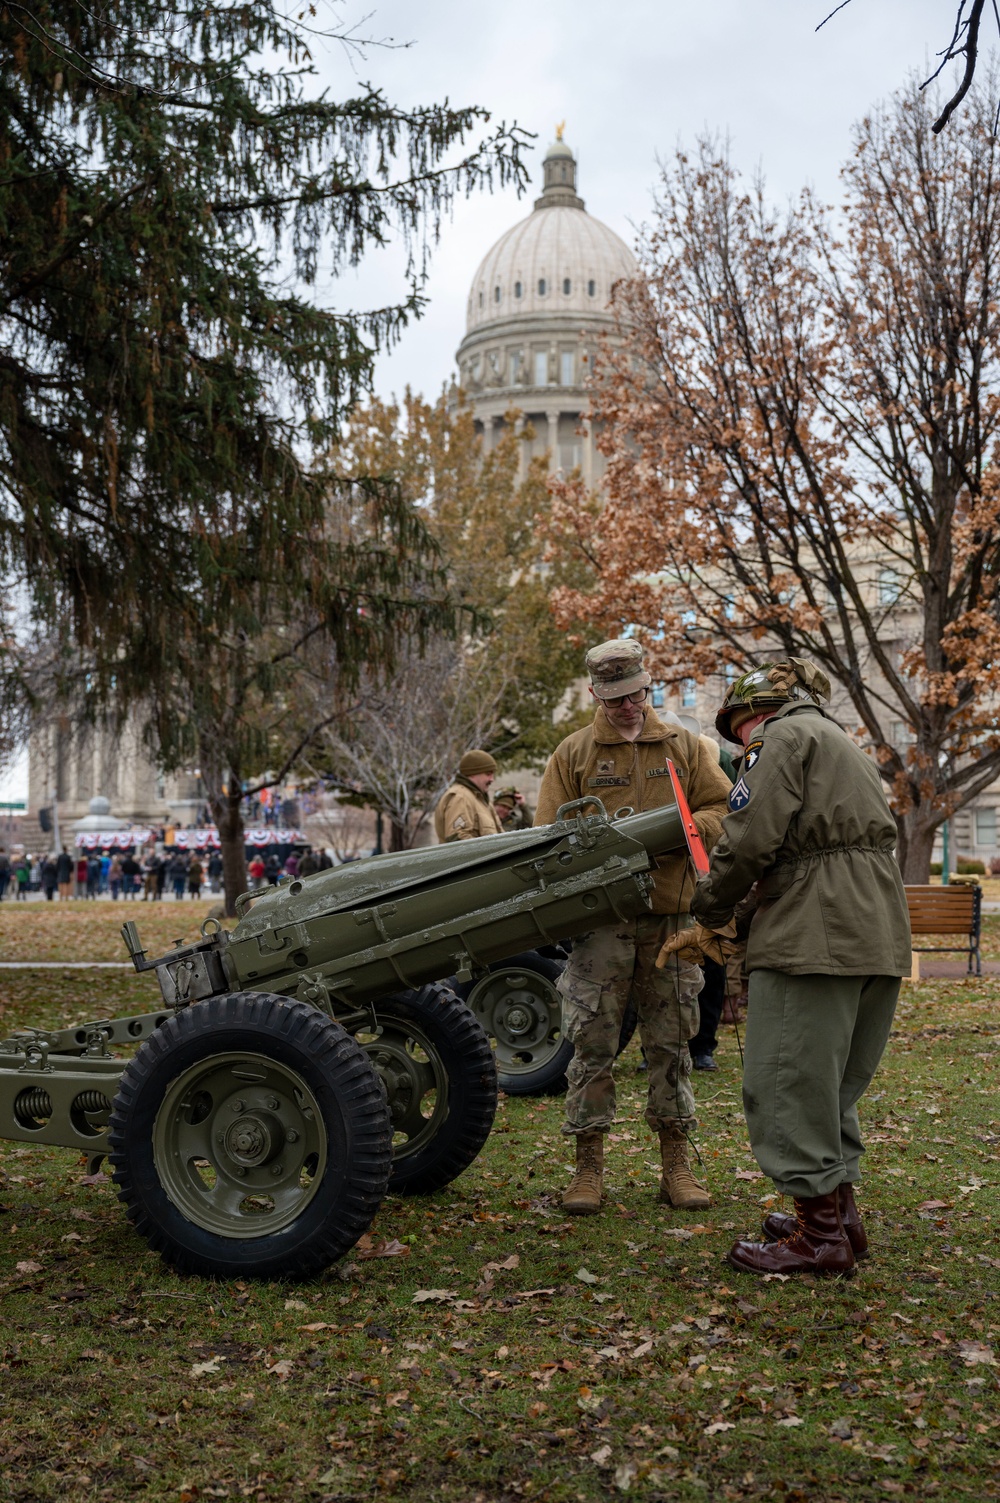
(817, 1245)
(678, 1187)
(777, 1225)
(582, 1196)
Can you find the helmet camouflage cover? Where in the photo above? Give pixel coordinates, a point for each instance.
(770, 686)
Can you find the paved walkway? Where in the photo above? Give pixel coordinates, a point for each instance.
(65, 965)
(934, 967)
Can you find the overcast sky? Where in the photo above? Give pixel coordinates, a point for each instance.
(631, 80)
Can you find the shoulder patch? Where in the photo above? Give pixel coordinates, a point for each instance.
(458, 823)
(606, 766)
(752, 752)
(740, 796)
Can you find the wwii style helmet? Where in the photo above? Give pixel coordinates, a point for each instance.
(768, 688)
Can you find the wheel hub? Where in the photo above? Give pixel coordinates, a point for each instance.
(519, 1018)
(254, 1139)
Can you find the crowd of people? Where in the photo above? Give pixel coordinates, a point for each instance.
(63, 876)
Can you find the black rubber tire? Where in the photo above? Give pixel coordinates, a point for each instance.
(463, 1052)
(355, 1121)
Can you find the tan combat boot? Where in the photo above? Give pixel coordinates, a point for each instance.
(582, 1196)
(678, 1186)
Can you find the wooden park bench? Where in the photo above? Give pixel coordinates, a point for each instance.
(953, 910)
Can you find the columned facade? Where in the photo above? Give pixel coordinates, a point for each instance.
(538, 306)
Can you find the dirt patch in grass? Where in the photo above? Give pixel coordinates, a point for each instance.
(558, 1360)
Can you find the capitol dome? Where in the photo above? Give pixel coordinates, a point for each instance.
(539, 301)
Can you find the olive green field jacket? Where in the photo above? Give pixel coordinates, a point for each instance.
(808, 822)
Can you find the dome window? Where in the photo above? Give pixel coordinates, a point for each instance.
(591, 288)
(496, 294)
(517, 289)
(567, 286)
(541, 287)
(480, 300)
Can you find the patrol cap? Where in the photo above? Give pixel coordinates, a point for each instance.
(505, 796)
(768, 688)
(615, 668)
(476, 761)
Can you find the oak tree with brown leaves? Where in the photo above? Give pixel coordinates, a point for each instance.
(801, 427)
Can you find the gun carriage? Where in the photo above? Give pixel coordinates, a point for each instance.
(310, 1060)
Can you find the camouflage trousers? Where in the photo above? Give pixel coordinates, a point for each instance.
(606, 969)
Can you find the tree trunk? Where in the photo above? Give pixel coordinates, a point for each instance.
(398, 834)
(915, 846)
(227, 811)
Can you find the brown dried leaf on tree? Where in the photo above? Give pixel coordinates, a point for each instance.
(801, 428)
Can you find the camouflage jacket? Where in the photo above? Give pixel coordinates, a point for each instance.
(808, 822)
(634, 774)
(464, 811)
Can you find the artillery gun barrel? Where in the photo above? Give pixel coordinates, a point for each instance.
(395, 921)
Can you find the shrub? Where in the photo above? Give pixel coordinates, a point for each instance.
(995, 866)
(935, 868)
(968, 868)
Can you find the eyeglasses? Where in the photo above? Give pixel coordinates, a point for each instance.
(638, 698)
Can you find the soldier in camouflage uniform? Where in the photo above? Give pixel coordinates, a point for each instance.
(622, 759)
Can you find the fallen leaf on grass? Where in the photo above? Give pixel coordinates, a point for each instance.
(28, 1265)
(438, 1296)
(366, 1248)
(625, 1475)
(318, 1325)
(71, 1237)
(841, 1428)
(206, 1369)
(79, 1215)
(94, 1179)
(935, 1205)
(680, 1232)
(589, 1402)
(717, 1427)
(748, 1174)
(790, 1420)
(972, 1352)
(296, 1304)
(601, 1456)
(586, 1277)
(780, 1278)
(281, 1369)
(642, 1349)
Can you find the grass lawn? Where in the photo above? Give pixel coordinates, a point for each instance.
(507, 1352)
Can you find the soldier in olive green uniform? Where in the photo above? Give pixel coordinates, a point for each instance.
(622, 759)
(810, 831)
(464, 811)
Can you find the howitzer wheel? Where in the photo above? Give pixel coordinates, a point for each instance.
(250, 1135)
(520, 1008)
(440, 1080)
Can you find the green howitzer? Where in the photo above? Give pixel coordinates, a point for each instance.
(309, 1060)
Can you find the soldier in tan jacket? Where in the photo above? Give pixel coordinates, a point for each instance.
(622, 760)
(464, 810)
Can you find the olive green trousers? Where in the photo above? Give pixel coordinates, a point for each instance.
(813, 1044)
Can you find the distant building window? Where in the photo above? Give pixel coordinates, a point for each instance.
(658, 696)
(566, 371)
(889, 589)
(986, 827)
(567, 286)
(496, 294)
(591, 288)
(515, 366)
(480, 300)
(901, 733)
(689, 694)
(570, 456)
(541, 287)
(517, 289)
(541, 368)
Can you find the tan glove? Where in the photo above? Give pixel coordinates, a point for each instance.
(698, 943)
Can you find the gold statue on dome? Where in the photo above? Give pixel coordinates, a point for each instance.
(559, 130)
